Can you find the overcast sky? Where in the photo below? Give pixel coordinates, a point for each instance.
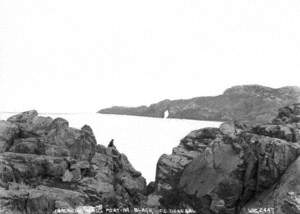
(80, 56)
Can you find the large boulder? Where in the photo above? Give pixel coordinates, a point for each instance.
(214, 174)
(78, 144)
(28, 146)
(289, 132)
(282, 198)
(221, 170)
(30, 168)
(288, 114)
(115, 180)
(55, 136)
(8, 131)
(30, 123)
(21, 199)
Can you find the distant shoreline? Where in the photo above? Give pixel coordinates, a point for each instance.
(122, 115)
(253, 104)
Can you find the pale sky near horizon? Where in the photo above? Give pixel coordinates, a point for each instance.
(81, 56)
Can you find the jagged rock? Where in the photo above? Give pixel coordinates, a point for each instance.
(214, 173)
(39, 200)
(58, 138)
(113, 171)
(46, 165)
(68, 176)
(282, 198)
(220, 170)
(23, 117)
(29, 146)
(57, 151)
(30, 124)
(150, 188)
(168, 171)
(8, 131)
(288, 114)
(213, 170)
(285, 132)
(170, 167)
(232, 129)
(153, 201)
(132, 184)
(80, 144)
(27, 168)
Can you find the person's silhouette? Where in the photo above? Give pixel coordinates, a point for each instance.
(111, 143)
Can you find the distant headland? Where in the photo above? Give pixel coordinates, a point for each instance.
(248, 103)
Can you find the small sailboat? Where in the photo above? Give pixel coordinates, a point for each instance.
(166, 114)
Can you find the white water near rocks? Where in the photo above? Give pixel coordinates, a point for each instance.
(142, 139)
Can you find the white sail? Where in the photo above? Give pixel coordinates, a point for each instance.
(166, 114)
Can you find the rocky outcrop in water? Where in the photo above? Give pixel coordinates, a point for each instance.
(248, 103)
(46, 165)
(234, 169)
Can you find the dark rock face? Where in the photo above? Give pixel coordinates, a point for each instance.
(249, 103)
(288, 114)
(231, 169)
(282, 197)
(41, 199)
(8, 131)
(47, 165)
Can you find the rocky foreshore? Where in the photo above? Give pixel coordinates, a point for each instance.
(46, 165)
(234, 169)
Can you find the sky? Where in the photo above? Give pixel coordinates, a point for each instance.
(81, 56)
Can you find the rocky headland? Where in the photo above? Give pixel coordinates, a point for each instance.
(237, 168)
(247, 103)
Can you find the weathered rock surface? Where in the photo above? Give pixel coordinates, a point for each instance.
(234, 168)
(248, 103)
(47, 165)
(21, 199)
(284, 197)
(8, 131)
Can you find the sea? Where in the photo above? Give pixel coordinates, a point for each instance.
(142, 139)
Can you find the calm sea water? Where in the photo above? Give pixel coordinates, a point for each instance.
(142, 139)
